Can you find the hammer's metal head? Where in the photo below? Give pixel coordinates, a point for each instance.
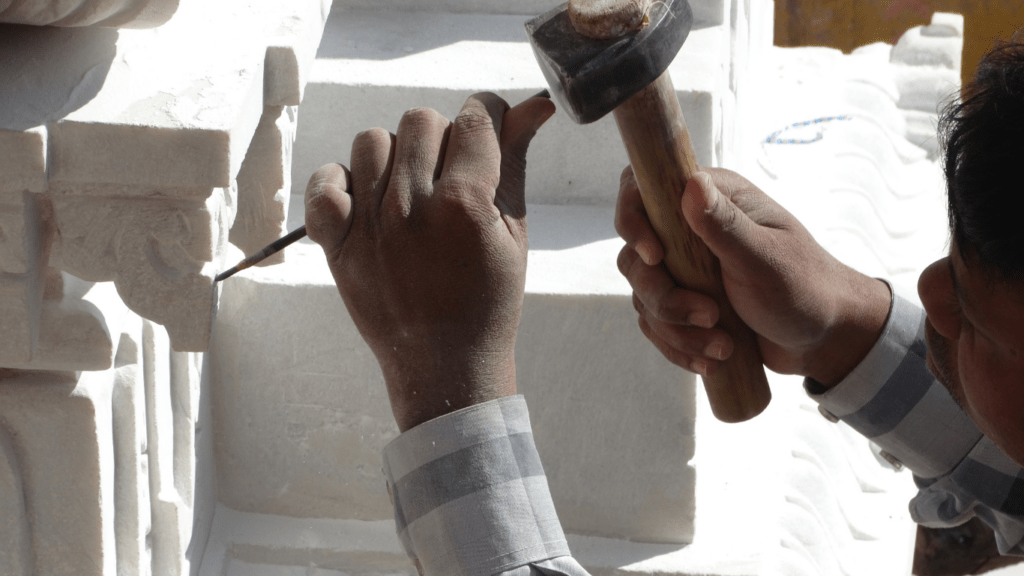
(589, 77)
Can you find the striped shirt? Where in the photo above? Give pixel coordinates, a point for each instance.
(892, 399)
(471, 498)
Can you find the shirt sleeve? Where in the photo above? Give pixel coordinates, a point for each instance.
(893, 399)
(471, 498)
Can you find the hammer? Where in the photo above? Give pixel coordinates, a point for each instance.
(601, 56)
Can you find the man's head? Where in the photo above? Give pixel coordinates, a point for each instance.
(975, 297)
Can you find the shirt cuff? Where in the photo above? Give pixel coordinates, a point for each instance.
(892, 398)
(470, 494)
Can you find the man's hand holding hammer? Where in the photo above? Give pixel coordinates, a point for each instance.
(812, 314)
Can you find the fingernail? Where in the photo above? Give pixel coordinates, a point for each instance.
(714, 351)
(645, 254)
(700, 367)
(701, 319)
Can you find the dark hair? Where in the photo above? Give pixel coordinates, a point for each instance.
(983, 138)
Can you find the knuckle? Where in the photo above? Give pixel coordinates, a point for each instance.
(367, 142)
(420, 118)
(728, 221)
(637, 304)
(473, 122)
(623, 261)
(623, 224)
(372, 136)
(673, 355)
(618, 223)
(325, 179)
(665, 310)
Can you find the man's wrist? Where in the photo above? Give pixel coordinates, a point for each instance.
(862, 309)
(431, 394)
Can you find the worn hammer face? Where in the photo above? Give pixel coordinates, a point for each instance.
(589, 77)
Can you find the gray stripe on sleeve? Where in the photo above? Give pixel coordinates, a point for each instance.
(896, 399)
(993, 478)
(452, 432)
(464, 472)
(934, 437)
(991, 487)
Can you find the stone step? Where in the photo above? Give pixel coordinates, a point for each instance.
(373, 65)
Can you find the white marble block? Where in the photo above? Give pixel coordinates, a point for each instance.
(301, 413)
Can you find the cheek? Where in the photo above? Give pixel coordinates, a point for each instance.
(994, 395)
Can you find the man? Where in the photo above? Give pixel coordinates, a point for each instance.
(426, 239)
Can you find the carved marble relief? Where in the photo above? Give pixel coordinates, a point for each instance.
(264, 184)
(126, 158)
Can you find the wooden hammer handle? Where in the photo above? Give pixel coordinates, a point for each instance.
(659, 147)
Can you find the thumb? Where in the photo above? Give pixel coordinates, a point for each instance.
(727, 230)
(329, 207)
(518, 127)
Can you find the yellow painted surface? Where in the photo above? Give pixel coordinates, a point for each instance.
(846, 24)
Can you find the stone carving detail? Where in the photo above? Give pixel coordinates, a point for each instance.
(157, 252)
(129, 165)
(102, 13)
(263, 183)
